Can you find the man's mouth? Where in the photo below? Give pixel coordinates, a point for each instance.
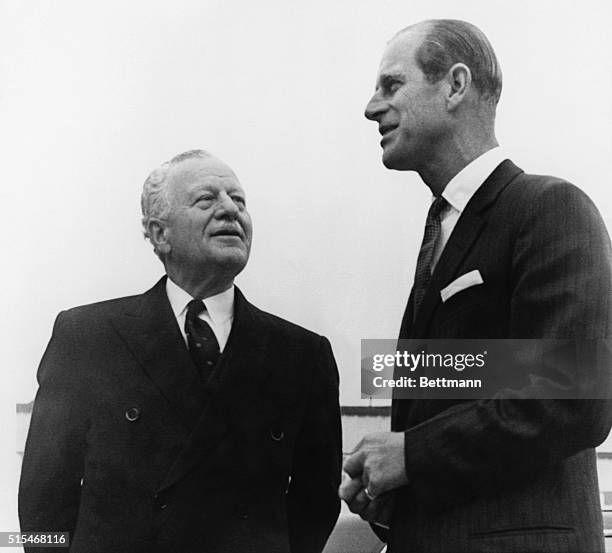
(227, 232)
(384, 129)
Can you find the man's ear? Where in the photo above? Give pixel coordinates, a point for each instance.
(158, 235)
(459, 79)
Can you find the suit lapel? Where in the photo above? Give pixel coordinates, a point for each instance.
(406, 326)
(151, 333)
(241, 374)
(463, 237)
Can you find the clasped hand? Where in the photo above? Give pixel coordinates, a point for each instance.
(375, 467)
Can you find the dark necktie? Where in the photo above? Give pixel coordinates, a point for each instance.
(203, 345)
(430, 237)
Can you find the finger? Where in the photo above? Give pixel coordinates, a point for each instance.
(349, 489)
(373, 487)
(353, 465)
(359, 502)
(377, 481)
(372, 511)
(379, 511)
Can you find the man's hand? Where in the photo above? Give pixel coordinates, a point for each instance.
(377, 511)
(375, 467)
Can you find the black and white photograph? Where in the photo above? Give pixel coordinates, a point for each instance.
(215, 208)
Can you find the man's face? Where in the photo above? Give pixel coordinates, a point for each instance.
(208, 228)
(410, 111)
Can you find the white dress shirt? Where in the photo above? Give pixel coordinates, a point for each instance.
(460, 190)
(219, 313)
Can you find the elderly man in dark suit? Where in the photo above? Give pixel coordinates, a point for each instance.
(505, 255)
(185, 419)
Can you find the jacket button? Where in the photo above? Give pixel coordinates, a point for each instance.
(132, 414)
(276, 434)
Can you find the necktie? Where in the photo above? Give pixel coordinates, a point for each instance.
(431, 235)
(203, 345)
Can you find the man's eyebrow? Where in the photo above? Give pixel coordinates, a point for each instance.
(202, 188)
(387, 78)
(209, 187)
(195, 193)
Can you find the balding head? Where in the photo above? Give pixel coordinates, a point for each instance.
(449, 41)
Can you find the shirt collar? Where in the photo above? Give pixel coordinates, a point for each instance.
(220, 307)
(464, 184)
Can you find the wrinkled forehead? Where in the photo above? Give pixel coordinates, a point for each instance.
(400, 52)
(207, 172)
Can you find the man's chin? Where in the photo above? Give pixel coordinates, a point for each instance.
(395, 162)
(232, 259)
(390, 162)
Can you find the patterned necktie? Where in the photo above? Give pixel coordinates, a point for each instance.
(430, 237)
(203, 345)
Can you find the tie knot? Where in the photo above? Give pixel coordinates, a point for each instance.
(436, 207)
(194, 308)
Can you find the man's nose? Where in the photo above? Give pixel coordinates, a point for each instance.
(374, 108)
(226, 207)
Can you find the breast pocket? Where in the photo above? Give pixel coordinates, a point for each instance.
(475, 312)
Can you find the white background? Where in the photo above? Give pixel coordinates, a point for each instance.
(94, 95)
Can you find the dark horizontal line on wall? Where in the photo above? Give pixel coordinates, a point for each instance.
(362, 411)
(25, 407)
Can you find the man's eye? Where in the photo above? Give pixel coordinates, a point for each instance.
(390, 86)
(239, 200)
(204, 199)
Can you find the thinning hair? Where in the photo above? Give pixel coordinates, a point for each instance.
(450, 41)
(155, 201)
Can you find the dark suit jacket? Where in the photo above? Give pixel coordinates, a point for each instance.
(513, 473)
(126, 454)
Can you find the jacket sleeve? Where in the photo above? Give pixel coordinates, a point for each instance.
(313, 503)
(561, 289)
(50, 485)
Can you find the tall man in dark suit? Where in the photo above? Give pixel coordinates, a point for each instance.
(185, 419)
(505, 255)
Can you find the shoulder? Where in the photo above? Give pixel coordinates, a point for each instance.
(546, 201)
(284, 328)
(152, 300)
(307, 353)
(281, 330)
(82, 315)
(547, 189)
(109, 306)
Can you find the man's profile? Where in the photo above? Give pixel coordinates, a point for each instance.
(185, 418)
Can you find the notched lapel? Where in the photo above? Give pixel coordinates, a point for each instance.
(243, 374)
(152, 335)
(462, 239)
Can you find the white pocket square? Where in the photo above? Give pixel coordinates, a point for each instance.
(464, 281)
